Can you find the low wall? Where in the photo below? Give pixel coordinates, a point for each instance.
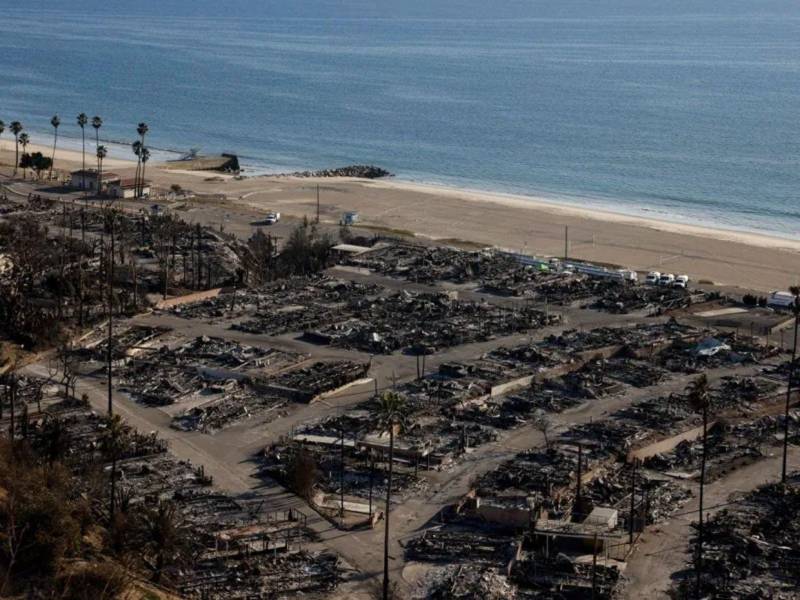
(188, 299)
(666, 444)
(511, 386)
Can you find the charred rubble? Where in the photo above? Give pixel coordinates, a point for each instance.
(750, 548)
(231, 546)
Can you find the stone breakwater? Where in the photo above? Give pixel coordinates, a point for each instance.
(360, 171)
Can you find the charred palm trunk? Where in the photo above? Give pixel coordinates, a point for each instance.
(699, 565)
(386, 517)
(109, 355)
(789, 396)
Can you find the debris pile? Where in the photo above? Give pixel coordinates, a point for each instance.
(620, 298)
(472, 582)
(750, 549)
(475, 547)
(564, 576)
(307, 382)
(239, 548)
(421, 323)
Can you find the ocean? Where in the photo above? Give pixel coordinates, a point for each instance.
(681, 110)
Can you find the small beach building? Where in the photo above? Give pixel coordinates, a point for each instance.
(126, 188)
(86, 179)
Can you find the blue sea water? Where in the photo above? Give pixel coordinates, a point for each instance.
(686, 110)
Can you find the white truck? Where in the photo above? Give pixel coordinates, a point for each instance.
(666, 279)
(780, 299)
(653, 277)
(272, 218)
(681, 281)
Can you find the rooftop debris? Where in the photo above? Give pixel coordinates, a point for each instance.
(564, 576)
(476, 547)
(547, 476)
(307, 382)
(471, 582)
(693, 355)
(659, 497)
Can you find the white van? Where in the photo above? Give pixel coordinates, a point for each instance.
(681, 281)
(652, 278)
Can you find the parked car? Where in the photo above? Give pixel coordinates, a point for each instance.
(666, 279)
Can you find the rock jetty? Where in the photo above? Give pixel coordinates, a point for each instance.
(360, 171)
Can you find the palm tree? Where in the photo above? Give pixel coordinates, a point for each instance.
(390, 417)
(796, 310)
(83, 120)
(142, 130)
(24, 140)
(137, 150)
(55, 122)
(101, 154)
(16, 129)
(55, 437)
(2, 127)
(699, 399)
(112, 444)
(165, 536)
(97, 123)
(145, 158)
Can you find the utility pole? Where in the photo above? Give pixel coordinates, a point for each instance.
(633, 503)
(580, 476)
(341, 473)
(796, 310)
(371, 479)
(566, 242)
(109, 357)
(318, 203)
(594, 567)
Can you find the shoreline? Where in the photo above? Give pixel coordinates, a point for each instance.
(765, 240)
(450, 215)
(531, 201)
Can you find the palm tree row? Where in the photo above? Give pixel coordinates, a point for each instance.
(20, 138)
(139, 149)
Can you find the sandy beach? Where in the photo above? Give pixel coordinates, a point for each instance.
(518, 223)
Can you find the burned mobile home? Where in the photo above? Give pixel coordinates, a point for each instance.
(214, 383)
(287, 305)
(423, 322)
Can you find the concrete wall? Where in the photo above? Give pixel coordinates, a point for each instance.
(188, 298)
(666, 444)
(511, 386)
(515, 518)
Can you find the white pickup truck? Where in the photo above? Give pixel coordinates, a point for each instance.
(272, 218)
